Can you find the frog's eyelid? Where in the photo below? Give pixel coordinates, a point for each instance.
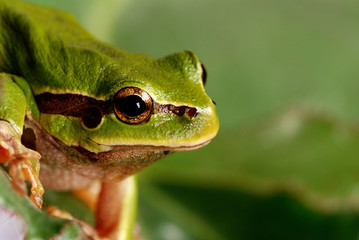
(204, 74)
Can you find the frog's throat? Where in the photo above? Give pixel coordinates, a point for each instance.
(160, 151)
(75, 105)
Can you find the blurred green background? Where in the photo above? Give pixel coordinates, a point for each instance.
(284, 74)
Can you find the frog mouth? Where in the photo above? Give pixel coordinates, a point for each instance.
(174, 149)
(154, 147)
(132, 153)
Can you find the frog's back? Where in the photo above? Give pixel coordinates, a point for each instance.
(24, 27)
(50, 49)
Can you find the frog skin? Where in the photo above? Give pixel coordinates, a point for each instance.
(87, 110)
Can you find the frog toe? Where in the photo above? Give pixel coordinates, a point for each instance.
(23, 163)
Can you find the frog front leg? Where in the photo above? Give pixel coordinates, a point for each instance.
(116, 209)
(16, 102)
(114, 204)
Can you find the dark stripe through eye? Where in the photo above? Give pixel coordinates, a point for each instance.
(131, 105)
(73, 105)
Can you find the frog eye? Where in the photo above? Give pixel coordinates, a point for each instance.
(133, 105)
(204, 74)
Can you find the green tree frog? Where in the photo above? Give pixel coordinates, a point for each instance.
(90, 111)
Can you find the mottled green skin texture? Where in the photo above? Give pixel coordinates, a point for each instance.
(51, 53)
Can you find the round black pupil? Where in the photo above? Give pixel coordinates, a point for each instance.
(131, 106)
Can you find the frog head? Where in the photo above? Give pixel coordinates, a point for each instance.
(142, 109)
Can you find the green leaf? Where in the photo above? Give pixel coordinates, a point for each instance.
(38, 225)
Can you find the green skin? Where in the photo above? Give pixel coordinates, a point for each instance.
(54, 54)
(44, 50)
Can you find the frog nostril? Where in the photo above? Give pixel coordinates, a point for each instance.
(214, 102)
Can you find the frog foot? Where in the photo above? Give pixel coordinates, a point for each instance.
(24, 163)
(58, 213)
